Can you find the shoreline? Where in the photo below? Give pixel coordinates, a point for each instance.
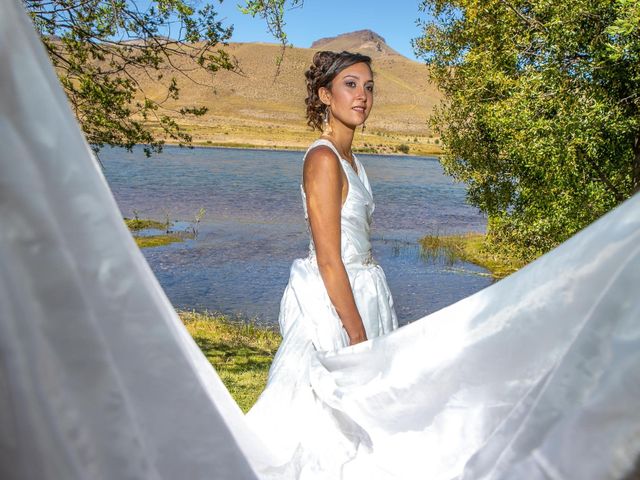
(471, 247)
(293, 148)
(274, 134)
(241, 351)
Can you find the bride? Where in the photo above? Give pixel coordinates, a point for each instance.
(337, 296)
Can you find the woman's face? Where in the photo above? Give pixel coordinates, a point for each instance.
(351, 95)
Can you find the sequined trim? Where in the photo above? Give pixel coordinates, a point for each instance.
(364, 259)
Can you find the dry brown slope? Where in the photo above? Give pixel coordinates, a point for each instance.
(261, 108)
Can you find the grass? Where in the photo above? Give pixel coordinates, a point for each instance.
(239, 133)
(157, 240)
(149, 241)
(472, 248)
(136, 224)
(241, 352)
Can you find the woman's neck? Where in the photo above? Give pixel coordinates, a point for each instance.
(342, 137)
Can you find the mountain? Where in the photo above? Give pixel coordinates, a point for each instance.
(259, 108)
(362, 41)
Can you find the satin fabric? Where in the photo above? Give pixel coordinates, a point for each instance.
(535, 377)
(289, 413)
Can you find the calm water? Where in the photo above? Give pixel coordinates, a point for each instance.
(254, 226)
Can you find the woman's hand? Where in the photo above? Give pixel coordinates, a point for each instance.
(358, 338)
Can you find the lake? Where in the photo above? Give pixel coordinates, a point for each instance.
(254, 226)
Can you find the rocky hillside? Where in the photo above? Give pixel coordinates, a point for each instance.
(363, 41)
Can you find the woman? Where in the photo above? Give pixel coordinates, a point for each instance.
(337, 296)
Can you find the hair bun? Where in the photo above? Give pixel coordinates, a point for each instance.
(324, 59)
(320, 64)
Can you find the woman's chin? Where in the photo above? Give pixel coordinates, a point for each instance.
(358, 123)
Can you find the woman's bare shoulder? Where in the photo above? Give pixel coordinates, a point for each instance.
(321, 158)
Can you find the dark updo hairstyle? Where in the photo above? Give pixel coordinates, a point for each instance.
(326, 65)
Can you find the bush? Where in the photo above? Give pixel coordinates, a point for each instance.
(403, 147)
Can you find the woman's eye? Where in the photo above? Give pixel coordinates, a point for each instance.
(370, 88)
(350, 84)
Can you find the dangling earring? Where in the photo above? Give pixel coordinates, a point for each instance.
(326, 126)
(363, 127)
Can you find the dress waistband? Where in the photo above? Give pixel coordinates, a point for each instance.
(356, 259)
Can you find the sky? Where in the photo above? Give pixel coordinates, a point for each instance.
(395, 21)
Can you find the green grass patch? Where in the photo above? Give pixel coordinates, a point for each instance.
(472, 248)
(149, 241)
(241, 352)
(136, 224)
(157, 240)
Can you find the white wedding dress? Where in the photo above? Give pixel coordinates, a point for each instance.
(536, 377)
(303, 432)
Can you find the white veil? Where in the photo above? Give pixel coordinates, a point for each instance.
(98, 377)
(536, 377)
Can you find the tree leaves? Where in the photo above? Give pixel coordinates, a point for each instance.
(541, 116)
(100, 47)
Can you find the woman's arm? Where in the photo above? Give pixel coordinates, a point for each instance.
(323, 183)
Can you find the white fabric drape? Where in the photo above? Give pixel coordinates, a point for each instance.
(98, 377)
(536, 377)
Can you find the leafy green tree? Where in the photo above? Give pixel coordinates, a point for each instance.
(541, 116)
(100, 48)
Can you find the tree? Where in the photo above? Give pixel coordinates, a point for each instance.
(100, 48)
(541, 116)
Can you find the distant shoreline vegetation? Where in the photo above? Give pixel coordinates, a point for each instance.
(232, 133)
(399, 150)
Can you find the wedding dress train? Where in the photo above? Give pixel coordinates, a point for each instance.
(535, 377)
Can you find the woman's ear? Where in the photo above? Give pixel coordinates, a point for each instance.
(325, 95)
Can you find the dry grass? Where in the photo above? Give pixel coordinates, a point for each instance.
(255, 108)
(272, 136)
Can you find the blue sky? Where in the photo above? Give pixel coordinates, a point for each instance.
(393, 20)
